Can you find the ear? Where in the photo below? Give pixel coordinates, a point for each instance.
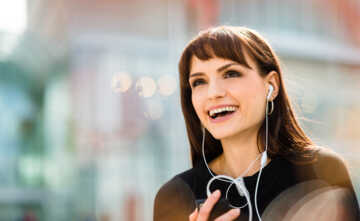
(273, 79)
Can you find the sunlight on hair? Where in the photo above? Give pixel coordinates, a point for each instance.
(145, 87)
(167, 85)
(121, 82)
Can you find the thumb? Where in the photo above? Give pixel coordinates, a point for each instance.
(193, 215)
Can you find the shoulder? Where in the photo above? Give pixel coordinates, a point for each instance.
(180, 182)
(330, 167)
(326, 154)
(333, 168)
(175, 199)
(324, 179)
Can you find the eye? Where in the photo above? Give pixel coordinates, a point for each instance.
(197, 82)
(231, 74)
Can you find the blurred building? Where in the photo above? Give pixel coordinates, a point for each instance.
(90, 99)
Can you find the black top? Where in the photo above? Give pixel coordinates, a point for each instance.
(284, 189)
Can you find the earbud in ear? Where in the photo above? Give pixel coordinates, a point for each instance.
(271, 89)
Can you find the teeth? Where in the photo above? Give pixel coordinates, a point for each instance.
(219, 110)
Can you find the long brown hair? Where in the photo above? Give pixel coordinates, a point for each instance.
(286, 138)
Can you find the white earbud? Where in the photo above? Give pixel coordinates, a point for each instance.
(271, 89)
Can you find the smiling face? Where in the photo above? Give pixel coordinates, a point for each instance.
(229, 98)
(245, 92)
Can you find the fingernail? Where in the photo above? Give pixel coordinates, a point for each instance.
(217, 193)
(235, 211)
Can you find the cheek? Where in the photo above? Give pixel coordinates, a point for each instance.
(196, 102)
(257, 103)
(251, 98)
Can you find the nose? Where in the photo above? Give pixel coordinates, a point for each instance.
(216, 90)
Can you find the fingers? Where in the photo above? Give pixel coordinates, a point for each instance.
(205, 210)
(230, 215)
(193, 215)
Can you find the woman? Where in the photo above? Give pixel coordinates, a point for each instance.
(251, 159)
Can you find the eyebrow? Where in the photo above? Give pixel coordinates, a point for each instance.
(220, 69)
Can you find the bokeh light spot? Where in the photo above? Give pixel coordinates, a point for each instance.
(167, 85)
(145, 87)
(121, 82)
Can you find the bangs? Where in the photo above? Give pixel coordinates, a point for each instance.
(219, 43)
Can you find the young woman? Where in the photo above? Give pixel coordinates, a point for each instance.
(251, 159)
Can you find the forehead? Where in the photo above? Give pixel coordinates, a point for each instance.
(199, 65)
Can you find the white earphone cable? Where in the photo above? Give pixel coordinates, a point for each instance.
(239, 182)
(262, 163)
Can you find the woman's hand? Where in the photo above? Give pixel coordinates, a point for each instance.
(206, 208)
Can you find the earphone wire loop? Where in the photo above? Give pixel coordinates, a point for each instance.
(239, 182)
(241, 188)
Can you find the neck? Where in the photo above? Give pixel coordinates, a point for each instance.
(238, 154)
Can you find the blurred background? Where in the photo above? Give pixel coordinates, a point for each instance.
(90, 117)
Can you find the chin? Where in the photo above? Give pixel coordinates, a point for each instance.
(224, 133)
(219, 135)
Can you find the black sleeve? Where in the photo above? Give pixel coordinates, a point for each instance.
(174, 201)
(332, 169)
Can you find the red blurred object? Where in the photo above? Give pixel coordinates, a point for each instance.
(207, 12)
(29, 216)
(349, 13)
(132, 208)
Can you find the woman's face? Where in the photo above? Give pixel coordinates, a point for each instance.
(228, 98)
